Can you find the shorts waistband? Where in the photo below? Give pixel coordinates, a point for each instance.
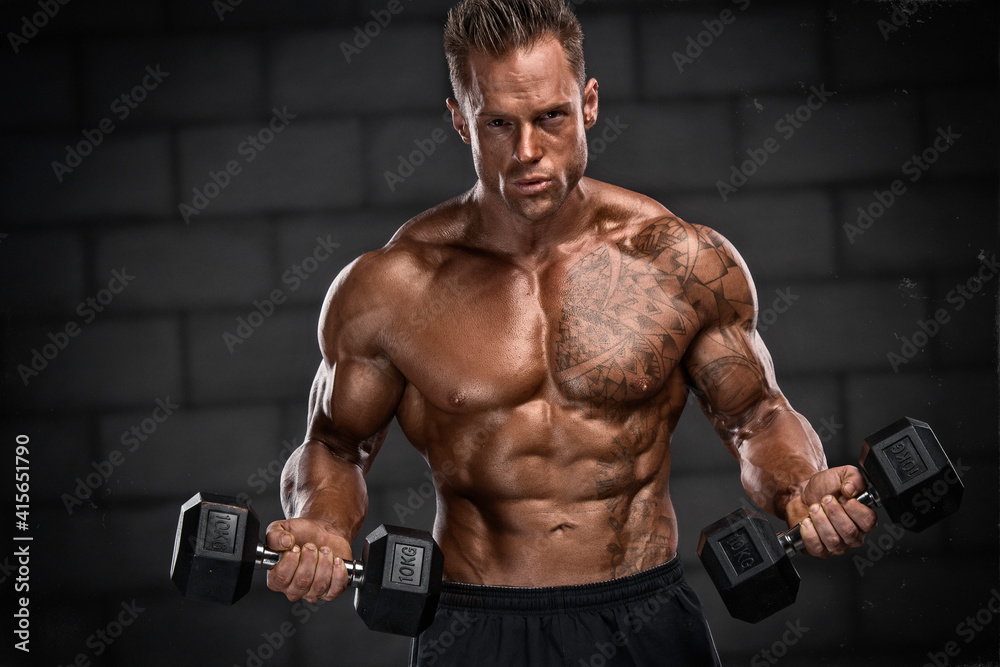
(562, 598)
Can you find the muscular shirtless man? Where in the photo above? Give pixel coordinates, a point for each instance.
(574, 317)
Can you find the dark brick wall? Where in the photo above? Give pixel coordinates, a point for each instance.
(834, 302)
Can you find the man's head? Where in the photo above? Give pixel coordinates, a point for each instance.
(521, 100)
(497, 27)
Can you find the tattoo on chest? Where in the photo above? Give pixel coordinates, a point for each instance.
(625, 315)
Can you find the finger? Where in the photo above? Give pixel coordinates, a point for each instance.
(280, 577)
(847, 531)
(339, 582)
(851, 482)
(810, 539)
(832, 542)
(864, 517)
(323, 577)
(302, 581)
(278, 538)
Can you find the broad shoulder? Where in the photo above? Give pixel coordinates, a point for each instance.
(707, 269)
(369, 293)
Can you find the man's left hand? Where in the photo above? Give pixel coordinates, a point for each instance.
(833, 520)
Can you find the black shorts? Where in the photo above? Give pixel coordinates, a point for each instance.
(650, 618)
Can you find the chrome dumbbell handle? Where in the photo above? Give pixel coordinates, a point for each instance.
(267, 559)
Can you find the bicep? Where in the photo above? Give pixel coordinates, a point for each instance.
(356, 389)
(351, 405)
(729, 366)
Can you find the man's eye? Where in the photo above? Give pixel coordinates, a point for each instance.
(496, 122)
(552, 114)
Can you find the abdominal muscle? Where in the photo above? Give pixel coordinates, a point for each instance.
(544, 496)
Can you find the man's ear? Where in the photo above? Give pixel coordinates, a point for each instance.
(458, 120)
(590, 104)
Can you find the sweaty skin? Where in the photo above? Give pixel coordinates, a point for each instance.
(536, 339)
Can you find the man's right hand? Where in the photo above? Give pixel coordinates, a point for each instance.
(312, 560)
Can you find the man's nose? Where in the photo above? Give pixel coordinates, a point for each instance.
(529, 147)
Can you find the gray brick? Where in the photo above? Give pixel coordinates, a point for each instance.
(278, 360)
(39, 87)
(968, 335)
(754, 49)
(298, 239)
(128, 174)
(967, 112)
(847, 138)
(57, 289)
(680, 145)
(217, 76)
(867, 52)
(927, 228)
(765, 226)
(190, 450)
(434, 9)
(418, 161)
(307, 165)
(964, 427)
(839, 326)
(310, 73)
(112, 361)
(230, 15)
(609, 49)
(206, 264)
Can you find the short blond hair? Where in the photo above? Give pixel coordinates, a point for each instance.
(497, 27)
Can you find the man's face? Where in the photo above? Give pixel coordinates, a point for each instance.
(526, 121)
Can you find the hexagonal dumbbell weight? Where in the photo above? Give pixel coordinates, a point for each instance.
(217, 548)
(908, 473)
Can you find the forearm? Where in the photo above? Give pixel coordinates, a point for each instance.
(779, 452)
(316, 484)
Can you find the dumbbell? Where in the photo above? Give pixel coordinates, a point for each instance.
(217, 548)
(907, 473)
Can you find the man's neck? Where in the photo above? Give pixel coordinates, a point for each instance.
(500, 230)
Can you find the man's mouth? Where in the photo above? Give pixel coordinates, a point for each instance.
(532, 185)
